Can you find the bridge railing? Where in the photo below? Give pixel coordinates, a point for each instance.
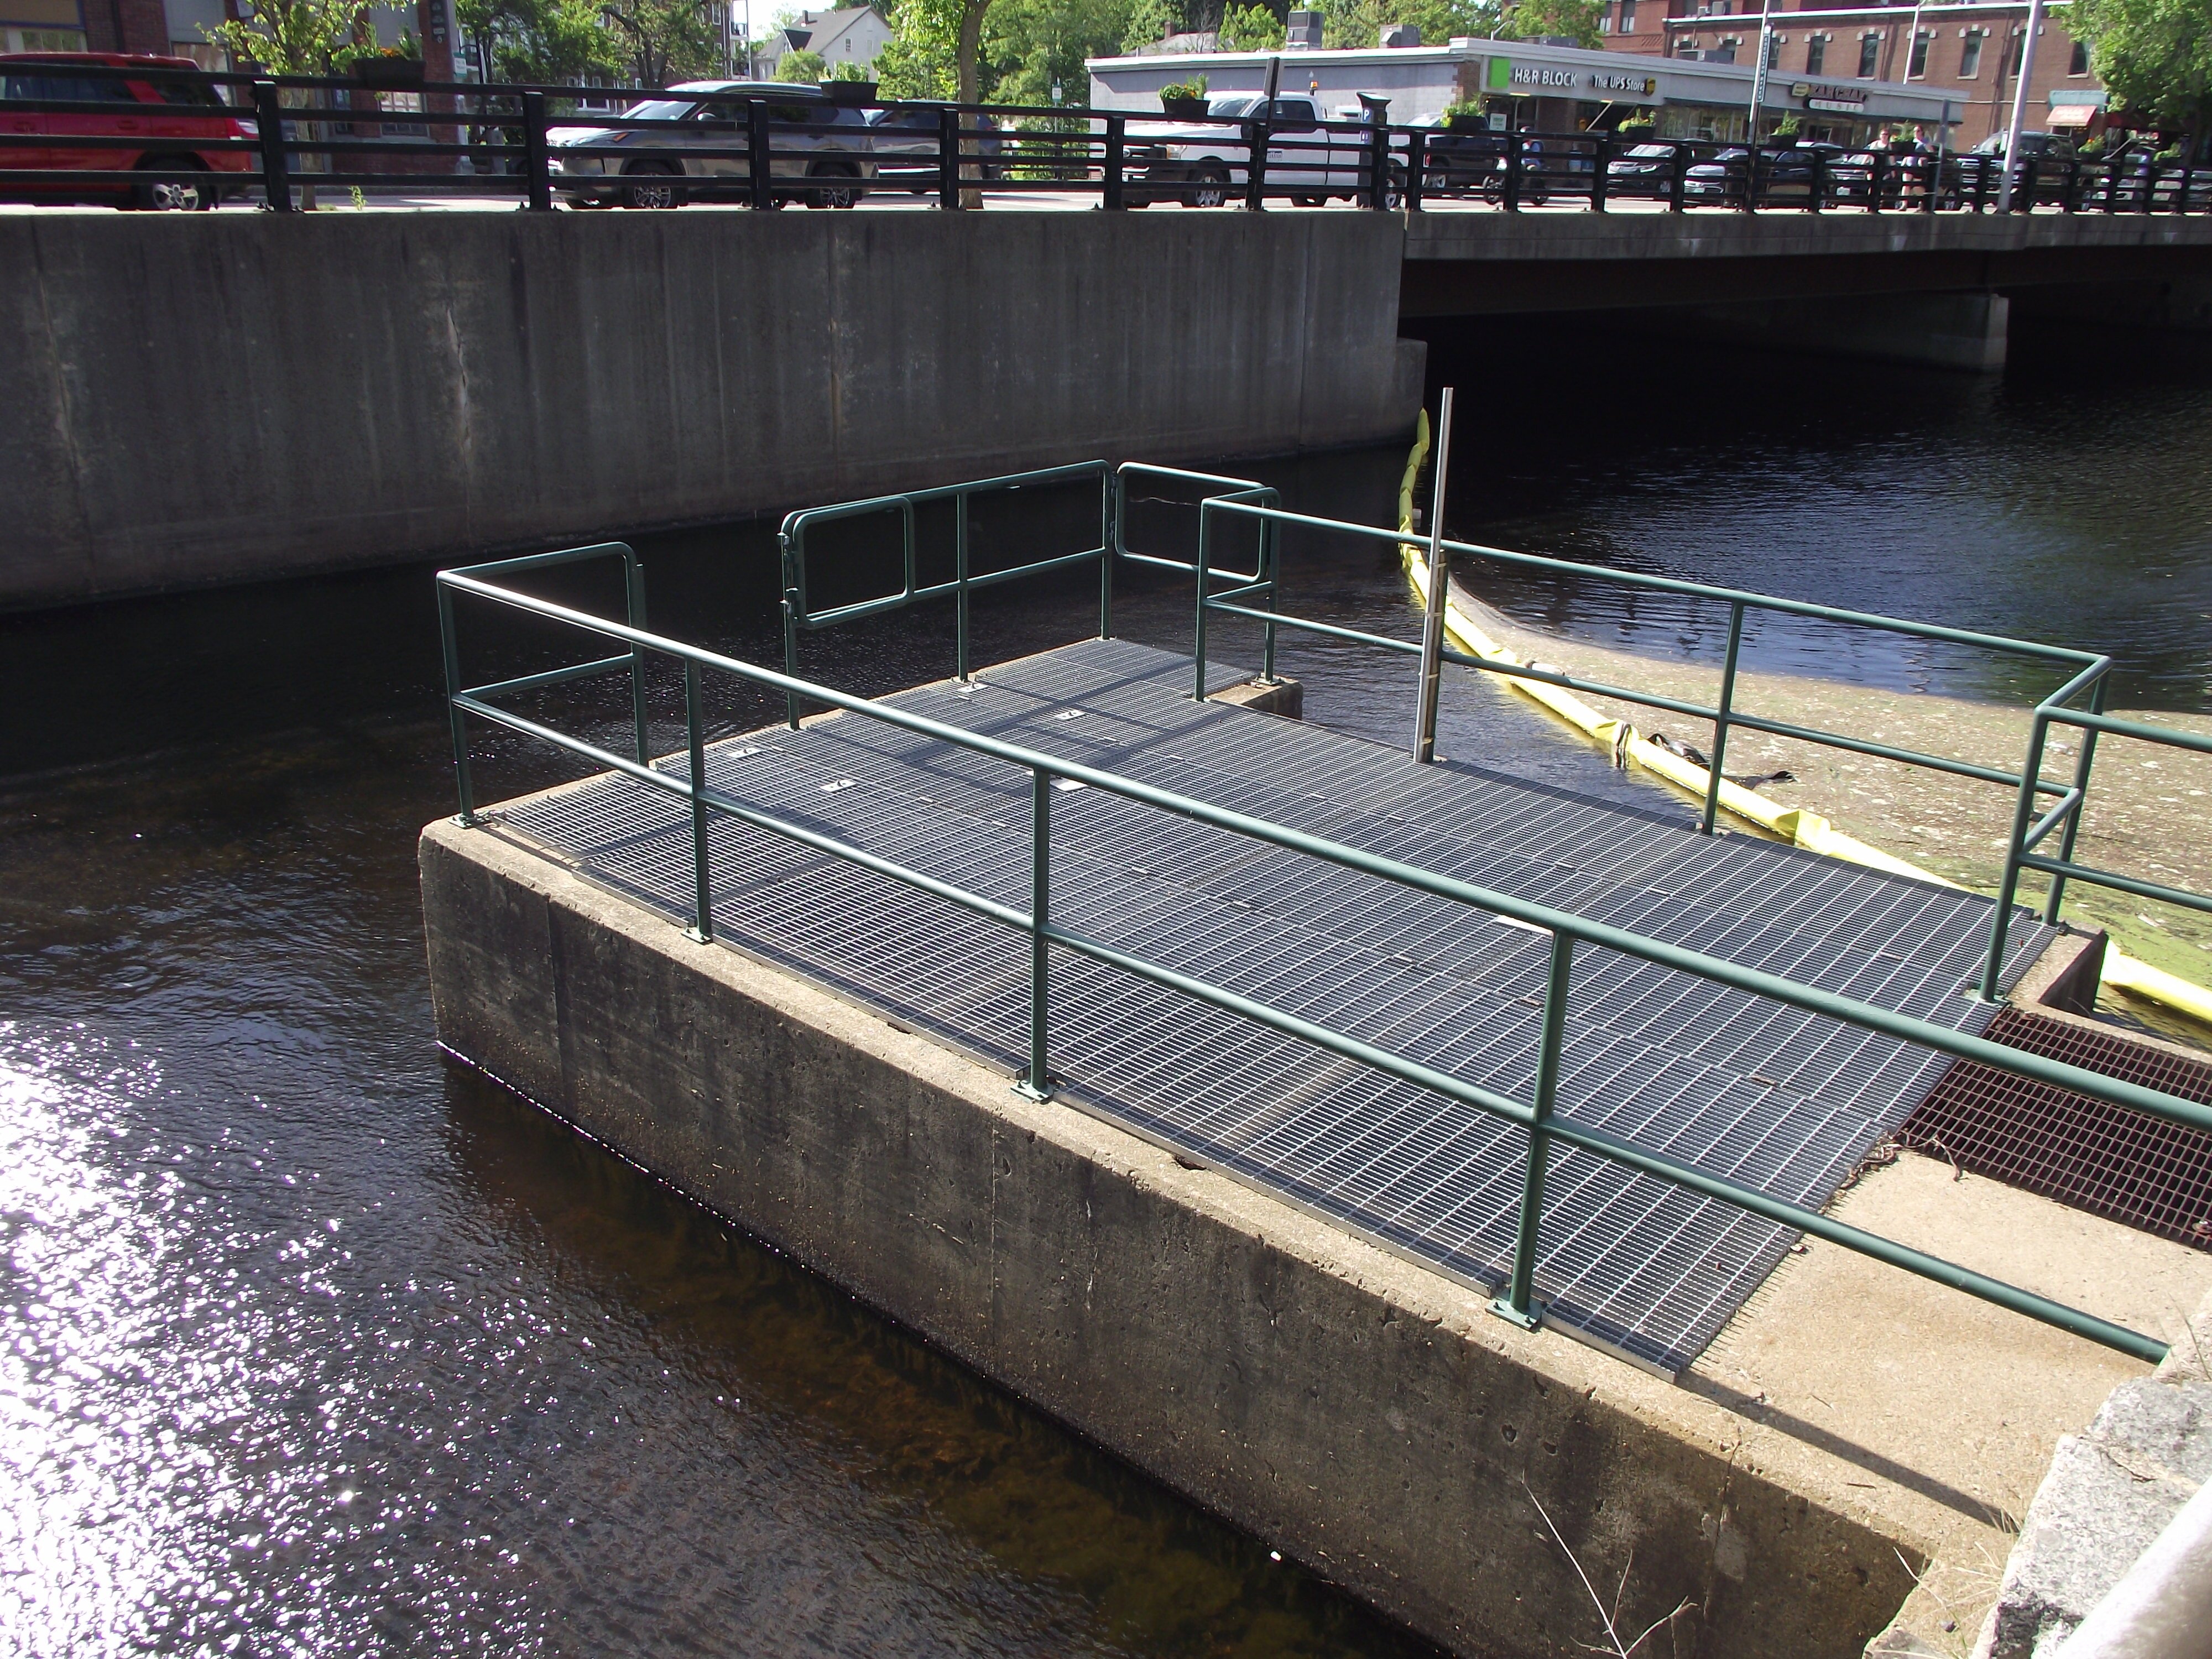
(1538, 1113)
(218, 133)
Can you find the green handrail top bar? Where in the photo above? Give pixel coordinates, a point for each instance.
(1751, 979)
(1539, 916)
(2169, 736)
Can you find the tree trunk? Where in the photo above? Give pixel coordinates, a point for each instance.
(969, 89)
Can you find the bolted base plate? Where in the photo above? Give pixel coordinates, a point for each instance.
(1533, 1320)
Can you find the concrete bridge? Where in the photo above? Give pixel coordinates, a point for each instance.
(1918, 287)
(198, 399)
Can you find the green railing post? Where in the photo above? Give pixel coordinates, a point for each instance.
(702, 925)
(1198, 630)
(959, 576)
(1517, 1303)
(1270, 552)
(1110, 538)
(634, 596)
(1721, 716)
(462, 787)
(2080, 804)
(791, 604)
(2023, 815)
(1037, 1085)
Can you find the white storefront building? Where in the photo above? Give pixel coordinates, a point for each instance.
(1526, 86)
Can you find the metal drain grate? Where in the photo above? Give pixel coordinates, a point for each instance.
(2099, 1158)
(1785, 1100)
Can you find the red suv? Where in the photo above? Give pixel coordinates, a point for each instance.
(167, 113)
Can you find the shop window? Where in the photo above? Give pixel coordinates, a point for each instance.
(2079, 63)
(1969, 57)
(1869, 55)
(1919, 65)
(1724, 52)
(2019, 46)
(1816, 55)
(1628, 16)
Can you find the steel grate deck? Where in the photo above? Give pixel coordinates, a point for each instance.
(1785, 1100)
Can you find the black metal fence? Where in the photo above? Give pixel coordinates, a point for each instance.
(204, 136)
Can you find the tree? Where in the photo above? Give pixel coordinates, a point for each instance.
(2154, 55)
(663, 41)
(1149, 23)
(1030, 44)
(291, 37)
(1361, 23)
(1250, 28)
(918, 61)
(1570, 20)
(800, 65)
(551, 41)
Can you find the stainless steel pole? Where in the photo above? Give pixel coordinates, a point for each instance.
(2019, 106)
(1432, 625)
(1759, 74)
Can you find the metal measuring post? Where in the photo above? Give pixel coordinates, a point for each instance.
(1433, 627)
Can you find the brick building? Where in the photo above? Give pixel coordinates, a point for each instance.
(175, 27)
(1975, 47)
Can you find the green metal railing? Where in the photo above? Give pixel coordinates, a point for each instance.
(2089, 677)
(1538, 1115)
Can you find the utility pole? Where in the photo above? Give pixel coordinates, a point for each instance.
(1759, 75)
(2020, 105)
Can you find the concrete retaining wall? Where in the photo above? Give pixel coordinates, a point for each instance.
(187, 399)
(1366, 1417)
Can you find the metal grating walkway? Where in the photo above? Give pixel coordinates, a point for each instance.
(1783, 1099)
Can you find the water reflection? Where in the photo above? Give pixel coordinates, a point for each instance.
(2058, 502)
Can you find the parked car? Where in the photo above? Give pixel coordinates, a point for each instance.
(905, 139)
(811, 137)
(1786, 176)
(1642, 170)
(1200, 163)
(1979, 173)
(1459, 160)
(160, 106)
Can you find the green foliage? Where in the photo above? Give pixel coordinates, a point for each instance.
(549, 42)
(1149, 23)
(1194, 87)
(293, 36)
(1250, 28)
(1789, 126)
(1360, 22)
(663, 41)
(919, 61)
(848, 70)
(1571, 20)
(800, 65)
(2154, 55)
(1030, 44)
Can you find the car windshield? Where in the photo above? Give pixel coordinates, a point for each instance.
(1649, 151)
(1243, 105)
(659, 109)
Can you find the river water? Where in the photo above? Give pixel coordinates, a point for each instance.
(314, 1341)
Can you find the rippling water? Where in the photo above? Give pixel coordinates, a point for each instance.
(313, 1342)
(2069, 501)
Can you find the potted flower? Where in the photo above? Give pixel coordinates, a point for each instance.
(1184, 100)
(845, 86)
(389, 66)
(1465, 117)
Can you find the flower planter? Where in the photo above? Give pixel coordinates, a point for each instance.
(389, 72)
(850, 92)
(1183, 109)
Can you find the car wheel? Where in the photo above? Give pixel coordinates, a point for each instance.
(1211, 190)
(650, 185)
(197, 197)
(843, 195)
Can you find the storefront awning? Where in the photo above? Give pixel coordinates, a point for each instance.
(2073, 115)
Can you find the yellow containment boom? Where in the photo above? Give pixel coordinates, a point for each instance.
(1793, 824)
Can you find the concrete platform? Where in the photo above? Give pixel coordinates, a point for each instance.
(1853, 1431)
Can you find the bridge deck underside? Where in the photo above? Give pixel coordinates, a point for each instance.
(1785, 1100)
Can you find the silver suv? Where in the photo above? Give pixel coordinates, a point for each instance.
(810, 137)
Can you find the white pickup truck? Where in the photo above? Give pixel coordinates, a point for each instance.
(1202, 164)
